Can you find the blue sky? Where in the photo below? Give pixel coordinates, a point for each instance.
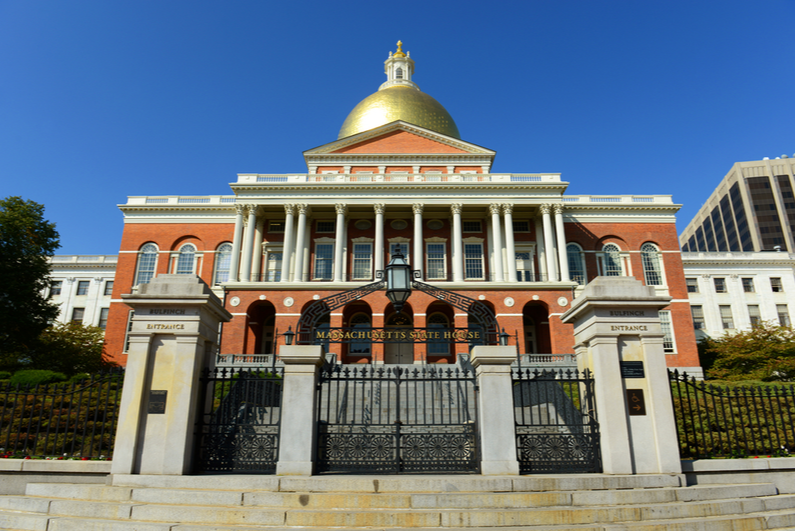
(104, 99)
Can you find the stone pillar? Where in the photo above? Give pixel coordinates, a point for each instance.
(289, 240)
(339, 242)
(510, 247)
(303, 210)
(256, 262)
(237, 240)
(379, 236)
(298, 436)
(549, 244)
(618, 337)
(248, 245)
(418, 260)
(563, 258)
(495, 410)
(458, 243)
(496, 237)
(174, 329)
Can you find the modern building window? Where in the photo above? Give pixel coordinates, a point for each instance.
(223, 263)
(78, 314)
(103, 318)
(612, 261)
(326, 226)
(147, 261)
(469, 225)
(436, 257)
(753, 314)
(274, 273)
(473, 261)
(108, 288)
(362, 261)
(438, 346)
(576, 263)
(524, 267)
(82, 287)
(692, 285)
(775, 285)
(652, 267)
(720, 284)
(324, 261)
(748, 285)
(783, 314)
(667, 330)
(186, 260)
(698, 317)
(55, 287)
(726, 317)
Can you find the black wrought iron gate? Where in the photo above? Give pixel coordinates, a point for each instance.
(397, 420)
(556, 426)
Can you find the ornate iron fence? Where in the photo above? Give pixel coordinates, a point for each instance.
(238, 429)
(397, 420)
(744, 421)
(72, 419)
(556, 426)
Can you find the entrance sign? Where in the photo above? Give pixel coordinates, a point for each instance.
(636, 403)
(399, 335)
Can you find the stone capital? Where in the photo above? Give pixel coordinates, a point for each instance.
(545, 209)
(379, 208)
(303, 209)
(341, 208)
(289, 209)
(456, 209)
(494, 209)
(558, 209)
(507, 209)
(240, 210)
(417, 208)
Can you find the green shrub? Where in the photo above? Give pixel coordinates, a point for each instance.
(37, 377)
(79, 377)
(5, 375)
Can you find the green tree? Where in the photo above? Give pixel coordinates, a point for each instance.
(70, 348)
(766, 352)
(27, 240)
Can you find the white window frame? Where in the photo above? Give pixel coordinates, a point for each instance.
(649, 254)
(726, 316)
(80, 284)
(219, 256)
(748, 282)
(177, 258)
(700, 310)
(359, 245)
(402, 242)
(695, 284)
(524, 274)
(786, 314)
(103, 317)
(144, 252)
(428, 269)
(479, 243)
(106, 292)
(575, 248)
(667, 326)
(722, 282)
(603, 271)
(325, 243)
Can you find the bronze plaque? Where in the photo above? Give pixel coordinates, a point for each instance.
(635, 402)
(157, 402)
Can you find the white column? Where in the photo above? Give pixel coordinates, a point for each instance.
(339, 241)
(256, 259)
(289, 240)
(496, 236)
(510, 248)
(540, 250)
(303, 210)
(549, 243)
(237, 240)
(248, 244)
(458, 244)
(563, 258)
(417, 260)
(379, 236)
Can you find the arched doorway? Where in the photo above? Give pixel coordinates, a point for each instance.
(399, 350)
(535, 329)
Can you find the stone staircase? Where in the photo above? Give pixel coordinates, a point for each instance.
(534, 503)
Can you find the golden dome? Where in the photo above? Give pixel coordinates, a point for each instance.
(399, 102)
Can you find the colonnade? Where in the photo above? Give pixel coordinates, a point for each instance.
(550, 244)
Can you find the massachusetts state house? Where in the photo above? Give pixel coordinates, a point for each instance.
(399, 178)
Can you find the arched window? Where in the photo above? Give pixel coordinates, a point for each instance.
(438, 347)
(223, 262)
(361, 323)
(576, 263)
(652, 268)
(186, 260)
(399, 73)
(612, 261)
(147, 262)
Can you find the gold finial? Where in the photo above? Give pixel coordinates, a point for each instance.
(399, 52)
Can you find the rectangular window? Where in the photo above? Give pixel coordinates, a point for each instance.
(108, 287)
(324, 261)
(524, 267)
(692, 285)
(77, 314)
(473, 261)
(55, 287)
(754, 315)
(436, 256)
(82, 287)
(698, 317)
(783, 314)
(471, 226)
(720, 284)
(326, 226)
(726, 317)
(276, 226)
(748, 285)
(521, 226)
(667, 330)
(129, 329)
(362, 261)
(775, 285)
(402, 248)
(274, 267)
(103, 318)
